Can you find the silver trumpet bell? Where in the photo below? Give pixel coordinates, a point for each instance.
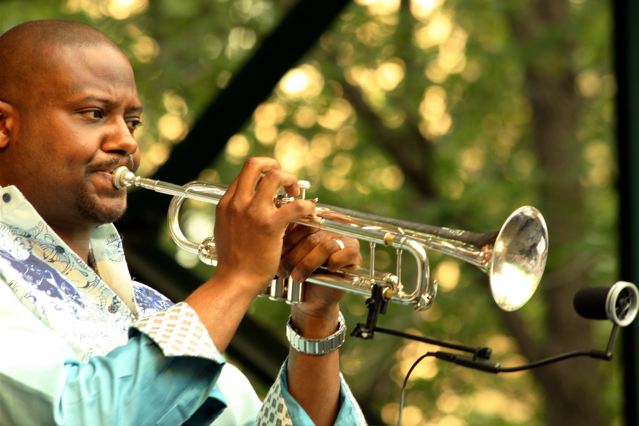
(514, 258)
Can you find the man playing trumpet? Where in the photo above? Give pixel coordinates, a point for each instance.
(82, 342)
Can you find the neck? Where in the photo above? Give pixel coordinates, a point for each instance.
(77, 240)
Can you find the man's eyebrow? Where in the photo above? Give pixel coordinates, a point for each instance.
(134, 108)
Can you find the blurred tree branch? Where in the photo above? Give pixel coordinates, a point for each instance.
(406, 145)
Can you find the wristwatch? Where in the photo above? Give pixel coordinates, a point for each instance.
(316, 346)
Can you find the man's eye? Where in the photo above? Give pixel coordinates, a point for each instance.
(95, 114)
(133, 123)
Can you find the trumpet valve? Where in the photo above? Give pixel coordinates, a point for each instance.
(283, 199)
(304, 185)
(207, 251)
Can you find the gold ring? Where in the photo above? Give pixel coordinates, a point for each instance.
(340, 243)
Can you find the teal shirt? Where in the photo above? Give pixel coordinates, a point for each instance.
(81, 349)
(134, 385)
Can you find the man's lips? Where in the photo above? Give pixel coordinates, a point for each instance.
(105, 169)
(104, 176)
(108, 167)
(105, 179)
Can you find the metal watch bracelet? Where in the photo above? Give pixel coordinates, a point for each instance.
(316, 346)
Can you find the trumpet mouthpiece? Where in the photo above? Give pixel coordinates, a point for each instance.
(122, 177)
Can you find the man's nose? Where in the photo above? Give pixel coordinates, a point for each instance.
(120, 140)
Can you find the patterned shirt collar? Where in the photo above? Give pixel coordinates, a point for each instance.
(18, 214)
(61, 289)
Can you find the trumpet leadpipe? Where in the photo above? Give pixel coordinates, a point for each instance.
(124, 178)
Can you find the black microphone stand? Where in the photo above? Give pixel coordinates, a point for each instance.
(377, 304)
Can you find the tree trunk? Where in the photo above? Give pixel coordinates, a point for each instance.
(571, 394)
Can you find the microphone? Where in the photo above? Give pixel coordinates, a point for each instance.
(619, 303)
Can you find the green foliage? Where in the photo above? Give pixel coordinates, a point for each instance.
(460, 86)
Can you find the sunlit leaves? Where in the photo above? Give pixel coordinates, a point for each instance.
(117, 9)
(423, 9)
(237, 149)
(302, 82)
(453, 71)
(433, 109)
(380, 7)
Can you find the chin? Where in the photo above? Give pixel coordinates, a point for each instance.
(110, 216)
(102, 211)
(100, 217)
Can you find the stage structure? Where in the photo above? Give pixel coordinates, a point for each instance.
(626, 48)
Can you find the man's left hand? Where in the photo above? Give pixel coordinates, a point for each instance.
(305, 249)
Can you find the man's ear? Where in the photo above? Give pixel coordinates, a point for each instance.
(7, 122)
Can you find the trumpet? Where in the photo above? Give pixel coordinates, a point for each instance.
(514, 258)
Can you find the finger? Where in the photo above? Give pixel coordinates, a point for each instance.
(294, 234)
(315, 258)
(292, 190)
(302, 248)
(293, 211)
(348, 256)
(271, 182)
(251, 173)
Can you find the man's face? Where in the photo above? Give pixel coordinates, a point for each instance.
(73, 128)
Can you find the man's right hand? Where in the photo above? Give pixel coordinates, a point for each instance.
(249, 231)
(249, 228)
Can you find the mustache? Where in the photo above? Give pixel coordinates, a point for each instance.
(112, 163)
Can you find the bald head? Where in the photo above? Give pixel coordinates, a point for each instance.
(29, 51)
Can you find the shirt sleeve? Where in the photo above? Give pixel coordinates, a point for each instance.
(43, 382)
(281, 408)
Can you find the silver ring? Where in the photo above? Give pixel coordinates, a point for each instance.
(340, 243)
